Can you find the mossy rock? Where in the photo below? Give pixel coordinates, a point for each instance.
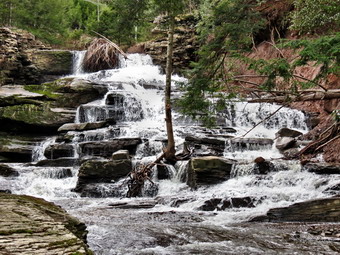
(32, 225)
(52, 62)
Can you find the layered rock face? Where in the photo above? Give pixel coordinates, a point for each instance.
(25, 60)
(31, 225)
(15, 67)
(185, 43)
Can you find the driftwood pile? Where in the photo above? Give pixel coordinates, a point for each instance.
(102, 54)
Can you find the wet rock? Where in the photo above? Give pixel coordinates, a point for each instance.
(291, 153)
(82, 126)
(242, 144)
(60, 173)
(227, 203)
(32, 225)
(335, 190)
(287, 132)
(208, 170)
(16, 149)
(121, 155)
(210, 205)
(206, 146)
(263, 166)
(59, 162)
(238, 202)
(100, 171)
(7, 171)
(163, 172)
(119, 102)
(104, 171)
(322, 168)
(106, 148)
(284, 143)
(56, 151)
(134, 205)
(319, 210)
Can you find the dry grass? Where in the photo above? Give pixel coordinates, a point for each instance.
(101, 55)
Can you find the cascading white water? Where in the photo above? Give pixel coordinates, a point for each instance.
(135, 98)
(78, 57)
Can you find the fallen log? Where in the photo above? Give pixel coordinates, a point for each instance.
(311, 96)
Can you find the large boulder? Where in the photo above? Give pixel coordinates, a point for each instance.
(319, 210)
(92, 173)
(284, 143)
(287, 132)
(32, 225)
(208, 170)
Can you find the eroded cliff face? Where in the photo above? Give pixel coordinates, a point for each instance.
(185, 43)
(25, 60)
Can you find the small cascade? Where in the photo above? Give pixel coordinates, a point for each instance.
(39, 150)
(78, 57)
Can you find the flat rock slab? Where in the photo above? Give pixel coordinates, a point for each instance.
(31, 225)
(318, 210)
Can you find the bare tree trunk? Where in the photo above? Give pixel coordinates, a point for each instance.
(170, 150)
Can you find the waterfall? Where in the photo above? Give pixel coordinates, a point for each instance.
(135, 99)
(78, 57)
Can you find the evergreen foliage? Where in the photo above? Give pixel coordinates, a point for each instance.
(316, 15)
(226, 29)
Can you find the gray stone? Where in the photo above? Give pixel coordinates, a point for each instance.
(81, 126)
(287, 132)
(283, 143)
(208, 170)
(121, 154)
(319, 210)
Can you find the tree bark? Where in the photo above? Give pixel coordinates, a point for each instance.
(170, 149)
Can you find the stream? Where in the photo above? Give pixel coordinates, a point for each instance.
(172, 221)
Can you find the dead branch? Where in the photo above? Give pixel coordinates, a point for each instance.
(325, 138)
(268, 117)
(112, 43)
(311, 96)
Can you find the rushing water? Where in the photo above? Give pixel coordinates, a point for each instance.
(173, 224)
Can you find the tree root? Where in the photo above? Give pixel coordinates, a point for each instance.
(329, 135)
